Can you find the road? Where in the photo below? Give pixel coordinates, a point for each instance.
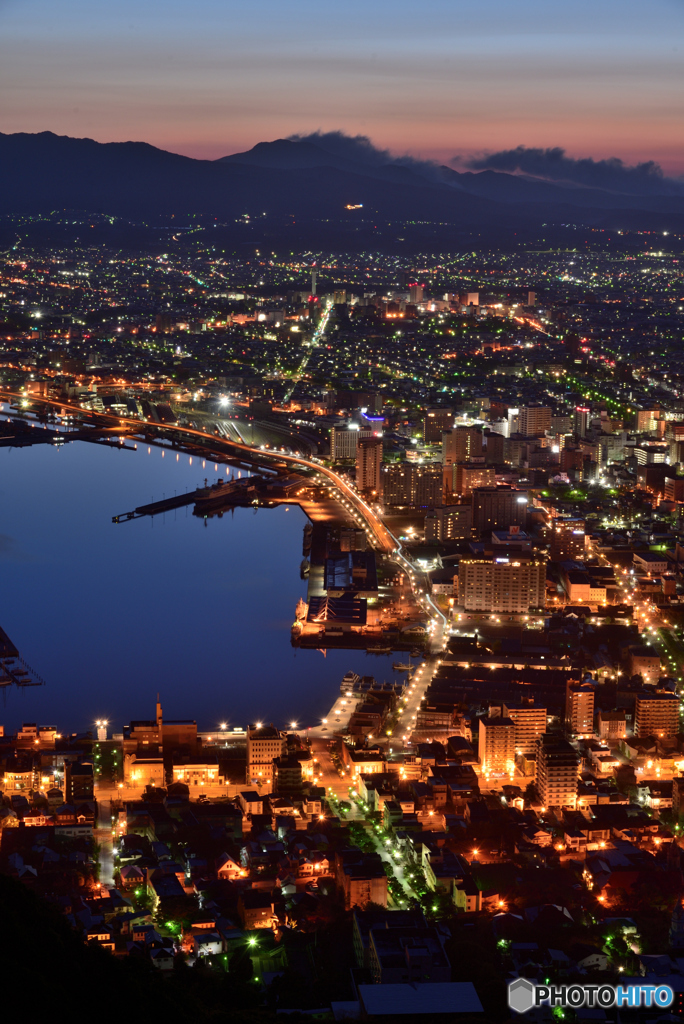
(438, 639)
(390, 854)
(420, 584)
(418, 684)
(654, 626)
(329, 776)
(103, 837)
(317, 335)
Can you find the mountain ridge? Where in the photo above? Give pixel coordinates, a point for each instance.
(301, 180)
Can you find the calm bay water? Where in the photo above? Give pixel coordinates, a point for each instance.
(110, 615)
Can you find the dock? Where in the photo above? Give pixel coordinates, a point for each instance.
(156, 508)
(19, 433)
(13, 669)
(206, 499)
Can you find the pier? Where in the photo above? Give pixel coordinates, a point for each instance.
(20, 433)
(204, 497)
(13, 669)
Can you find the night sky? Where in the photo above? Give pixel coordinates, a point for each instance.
(443, 77)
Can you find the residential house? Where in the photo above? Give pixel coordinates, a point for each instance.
(256, 909)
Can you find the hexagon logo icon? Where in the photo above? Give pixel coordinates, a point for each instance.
(521, 995)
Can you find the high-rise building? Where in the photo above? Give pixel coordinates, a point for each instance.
(449, 522)
(343, 442)
(435, 422)
(368, 463)
(426, 485)
(676, 452)
(652, 453)
(515, 583)
(264, 744)
(464, 477)
(461, 444)
(367, 401)
(497, 508)
(530, 723)
(415, 293)
(557, 772)
(657, 714)
(414, 484)
(678, 796)
(396, 483)
(496, 748)
(567, 539)
(572, 459)
(561, 424)
(517, 449)
(494, 447)
(513, 418)
(674, 430)
(534, 420)
(531, 298)
(674, 488)
(579, 708)
(581, 420)
(646, 419)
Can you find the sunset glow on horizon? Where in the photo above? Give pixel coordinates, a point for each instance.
(600, 79)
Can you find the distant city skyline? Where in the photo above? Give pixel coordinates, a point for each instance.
(600, 79)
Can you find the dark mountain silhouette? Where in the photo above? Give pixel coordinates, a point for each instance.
(343, 153)
(303, 180)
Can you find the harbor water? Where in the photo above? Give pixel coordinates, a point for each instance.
(196, 610)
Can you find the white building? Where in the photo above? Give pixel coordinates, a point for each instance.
(343, 442)
(264, 744)
(502, 584)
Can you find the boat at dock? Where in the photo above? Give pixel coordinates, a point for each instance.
(350, 680)
(222, 494)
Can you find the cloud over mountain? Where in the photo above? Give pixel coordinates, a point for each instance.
(554, 164)
(359, 149)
